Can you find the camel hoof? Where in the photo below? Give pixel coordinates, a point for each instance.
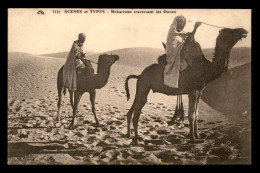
(134, 142)
(128, 135)
(170, 123)
(71, 127)
(125, 136)
(200, 140)
(197, 136)
(97, 124)
(192, 139)
(140, 138)
(57, 119)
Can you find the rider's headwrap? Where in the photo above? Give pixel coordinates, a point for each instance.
(82, 35)
(178, 20)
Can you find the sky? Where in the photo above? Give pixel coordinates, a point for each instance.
(37, 34)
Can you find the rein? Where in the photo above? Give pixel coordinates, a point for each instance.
(210, 25)
(213, 25)
(92, 61)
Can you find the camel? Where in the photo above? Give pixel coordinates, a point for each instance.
(192, 80)
(87, 81)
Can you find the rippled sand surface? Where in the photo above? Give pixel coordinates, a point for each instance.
(34, 137)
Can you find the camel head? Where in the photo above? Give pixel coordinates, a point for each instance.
(227, 38)
(106, 61)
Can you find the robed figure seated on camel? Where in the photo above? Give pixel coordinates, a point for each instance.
(87, 81)
(192, 80)
(187, 55)
(73, 61)
(77, 76)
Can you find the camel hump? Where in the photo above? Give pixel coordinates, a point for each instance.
(191, 49)
(162, 59)
(89, 68)
(189, 52)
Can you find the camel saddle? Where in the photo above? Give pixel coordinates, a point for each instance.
(190, 51)
(83, 64)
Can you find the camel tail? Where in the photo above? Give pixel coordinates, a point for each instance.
(126, 85)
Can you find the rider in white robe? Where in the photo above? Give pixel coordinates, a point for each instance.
(69, 69)
(173, 47)
(174, 44)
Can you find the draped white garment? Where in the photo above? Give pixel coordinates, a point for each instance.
(69, 69)
(174, 45)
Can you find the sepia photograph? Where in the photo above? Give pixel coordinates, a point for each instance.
(130, 86)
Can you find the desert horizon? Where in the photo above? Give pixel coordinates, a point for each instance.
(90, 52)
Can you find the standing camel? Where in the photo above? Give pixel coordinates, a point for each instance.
(191, 81)
(87, 81)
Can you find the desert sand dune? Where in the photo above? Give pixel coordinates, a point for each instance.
(231, 93)
(148, 56)
(137, 56)
(238, 56)
(35, 138)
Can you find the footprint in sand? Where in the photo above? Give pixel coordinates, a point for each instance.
(112, 127)
(154, 136)
(199, 121)
(86, 122)
(211, 123)
(154, 141)
(92, 130)
(176, 139)
(112, 112)
(114, 122)
(158, 120)
(163, 132)
(215, 135)
(104, 128)
(121, 118)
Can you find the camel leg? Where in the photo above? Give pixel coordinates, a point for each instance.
(140, 100)
(77, 97)
(139, 105)
(176, 113)
(181, 110)
(71, 99)
(59, 103)
(196, 133)
(192, 104)
(129, 118)
(92, 100)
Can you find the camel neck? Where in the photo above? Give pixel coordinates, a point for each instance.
(102, 75)
(222, 53)
(219, 64)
